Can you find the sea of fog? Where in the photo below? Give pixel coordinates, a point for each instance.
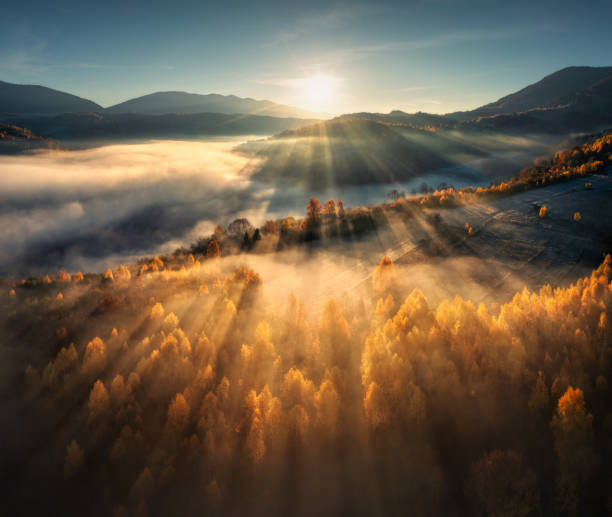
(90, 209)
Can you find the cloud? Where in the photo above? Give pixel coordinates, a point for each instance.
(344, 55)
(72, 207)
(316, 22)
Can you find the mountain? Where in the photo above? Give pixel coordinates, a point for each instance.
(18, 100)
(112, 126)
(161, 103)
(568, 87)
(572, 100)
(575, 99)
(26, 99)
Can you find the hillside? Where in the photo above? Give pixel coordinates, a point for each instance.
(87, 126)
(190, 103)
(26, 99)
(567, 87)
(351, 151)
(194, 365)
(15, 139)
(575, 99)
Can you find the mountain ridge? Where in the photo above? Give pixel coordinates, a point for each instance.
(562, 88)
(570, 100)
(32, 99)
(19, 100)
(161, 103)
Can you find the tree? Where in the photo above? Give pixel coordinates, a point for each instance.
(246, 242)
(219, 232)
(340, 205)
(329, 208)
(178, 415)
(312, 228)
(213, 250)
(572, 426)
(63, 276)
(95, 356)
(329, 214)
(384, 275)
(344, 227)
(499, 485)
(74, 459)
(239, 226)
(270, 227)
(313, 209)
(99, 401)
(539, 399)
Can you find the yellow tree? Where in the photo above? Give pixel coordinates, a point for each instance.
(572, 426)
(213, 250)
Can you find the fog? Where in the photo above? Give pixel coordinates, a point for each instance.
(80, 208)
(94, 208)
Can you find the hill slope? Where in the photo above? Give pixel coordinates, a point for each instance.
(565, 87)
(15, 139)
(575, 99)
(161, 103)
(351, 151)
(26, 99)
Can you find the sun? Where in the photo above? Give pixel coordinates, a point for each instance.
(319, 91)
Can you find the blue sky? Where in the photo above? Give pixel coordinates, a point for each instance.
(430, 55)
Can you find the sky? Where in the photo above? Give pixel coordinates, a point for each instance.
(437, 56)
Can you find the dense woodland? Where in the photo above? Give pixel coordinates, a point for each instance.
(181, 392)
(174, 386)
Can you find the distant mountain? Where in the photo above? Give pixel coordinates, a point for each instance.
(19, 100)
(575, 99)
(113, 126)
(25, 99)
(565, 88)
(162, 103)
(572, 100)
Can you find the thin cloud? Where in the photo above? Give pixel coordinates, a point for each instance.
(319, 22)
(359, 52)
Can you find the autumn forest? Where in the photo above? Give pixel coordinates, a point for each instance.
(301, 259)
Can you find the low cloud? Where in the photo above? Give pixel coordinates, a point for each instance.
(70, 208)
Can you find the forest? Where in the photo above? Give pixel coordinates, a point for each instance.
(300, 259)
(156, 390)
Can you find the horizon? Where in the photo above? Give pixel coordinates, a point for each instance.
(314, 113)
(455, 57)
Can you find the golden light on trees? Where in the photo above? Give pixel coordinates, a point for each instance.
(384, 275)
(210, 386)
